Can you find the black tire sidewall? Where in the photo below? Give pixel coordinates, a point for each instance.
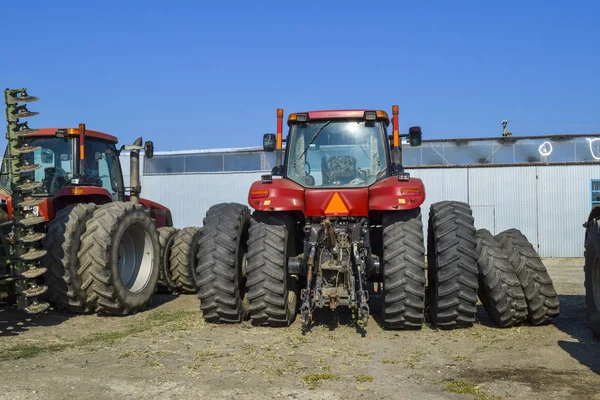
(591, 253)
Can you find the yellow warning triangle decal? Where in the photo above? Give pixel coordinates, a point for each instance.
(336, 205)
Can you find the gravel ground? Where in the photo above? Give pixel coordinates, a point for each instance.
(169, 352)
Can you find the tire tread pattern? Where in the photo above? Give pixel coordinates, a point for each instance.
(95, 253)
(499, 288)
(266, 275)
(181, 261)
(62, 243)
(404, 270)
(219, 263)
(542, 298)
(452, 265)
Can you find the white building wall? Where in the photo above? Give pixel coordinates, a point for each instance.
(547, 203)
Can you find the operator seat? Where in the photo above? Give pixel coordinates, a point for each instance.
(341, 169)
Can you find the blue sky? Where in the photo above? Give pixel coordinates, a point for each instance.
(197, 75)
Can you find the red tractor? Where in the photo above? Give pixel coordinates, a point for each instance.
(70, 233)
(342, 224)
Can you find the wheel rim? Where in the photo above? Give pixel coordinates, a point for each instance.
(596, 281)
(135, 259)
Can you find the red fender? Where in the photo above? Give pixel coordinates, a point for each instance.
(279, 195)
(392, 194)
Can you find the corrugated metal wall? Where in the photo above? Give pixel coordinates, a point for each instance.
(547, 203)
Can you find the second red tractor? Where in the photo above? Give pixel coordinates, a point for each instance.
(338, 221)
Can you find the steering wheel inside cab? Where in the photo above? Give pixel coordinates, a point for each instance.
(309, 180)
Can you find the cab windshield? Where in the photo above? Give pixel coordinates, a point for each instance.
(55, 155)
(343, 153)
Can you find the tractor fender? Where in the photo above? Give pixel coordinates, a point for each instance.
(279, 195)
(158, 212)
(391, 194)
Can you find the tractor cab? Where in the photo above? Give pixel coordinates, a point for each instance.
(54, 155)
(338, 149)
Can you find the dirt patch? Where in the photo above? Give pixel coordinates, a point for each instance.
(169, 352)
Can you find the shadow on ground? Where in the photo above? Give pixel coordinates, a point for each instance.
(573, 321)
(14, 322)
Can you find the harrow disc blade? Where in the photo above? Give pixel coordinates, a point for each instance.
(35, 291)
(33, 255)
(31, 221)
(27, 149)
(30, 186)
(30, 203)
(27, 132)
(28, 168)
(24, 99)
(26, 114)
(36, 307)
(34, 272)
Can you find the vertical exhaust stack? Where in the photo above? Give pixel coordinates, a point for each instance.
(278, 154)
(134, 172)
(134, 167)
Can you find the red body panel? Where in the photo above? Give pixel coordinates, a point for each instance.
(355, 201)
(90, 133)
(161, 214)
(284, 195)
(387, 194)
(92, 194)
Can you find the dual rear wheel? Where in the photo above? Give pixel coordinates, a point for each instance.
(102, 259)
(243, 273)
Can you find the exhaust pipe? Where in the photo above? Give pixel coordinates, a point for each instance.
(134, 172)
(134, 167)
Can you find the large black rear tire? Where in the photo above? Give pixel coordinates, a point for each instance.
(220, 270)
(592, 275)
(542, 299)
(166, 235)
(403, 270)
(184, 260)
(271, 291)
(452, 265)
(120, 259)
(62, 243)
(499, 288)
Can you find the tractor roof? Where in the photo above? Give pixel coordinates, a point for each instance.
(88, 133)
(340, 114)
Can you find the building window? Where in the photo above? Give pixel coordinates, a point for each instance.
(595, 192)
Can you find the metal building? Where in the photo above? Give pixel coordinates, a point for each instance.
(544, 186)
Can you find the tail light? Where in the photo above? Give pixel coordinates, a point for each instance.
(258, 194)
(410, 192)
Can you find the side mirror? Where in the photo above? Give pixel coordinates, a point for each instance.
(149, 149)
(269, 142)
(414, 136)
